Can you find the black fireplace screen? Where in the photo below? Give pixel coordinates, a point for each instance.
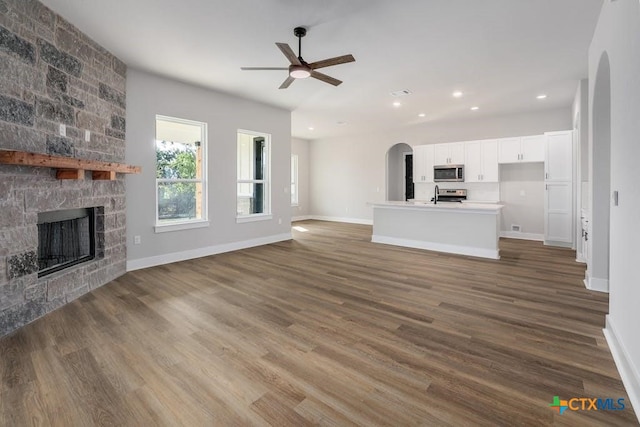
(65, 238)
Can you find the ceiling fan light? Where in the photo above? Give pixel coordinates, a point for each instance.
(299, 72)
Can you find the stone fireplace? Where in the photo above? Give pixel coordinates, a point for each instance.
(51, 75)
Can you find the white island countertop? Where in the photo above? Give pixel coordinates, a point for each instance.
(453, 227)
(466, 207)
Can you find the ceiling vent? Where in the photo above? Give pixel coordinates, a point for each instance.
(403, 92)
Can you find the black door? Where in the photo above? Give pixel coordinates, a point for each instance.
(408, 177)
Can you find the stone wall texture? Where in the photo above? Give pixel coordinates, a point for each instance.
(52, 74)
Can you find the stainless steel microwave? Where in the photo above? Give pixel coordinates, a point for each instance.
(448, 173)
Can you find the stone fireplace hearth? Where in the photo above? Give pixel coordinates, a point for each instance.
(51, 75)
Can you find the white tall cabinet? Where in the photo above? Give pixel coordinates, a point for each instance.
(481, 161)
(559, 194)
(423, 162)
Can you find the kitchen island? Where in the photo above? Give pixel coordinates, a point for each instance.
(459, 228)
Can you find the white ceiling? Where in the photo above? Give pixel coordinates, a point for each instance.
(500, 53)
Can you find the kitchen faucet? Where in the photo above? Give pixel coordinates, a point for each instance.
(435, 195)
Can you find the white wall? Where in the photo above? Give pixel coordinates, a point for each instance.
(618, 34)
(301, 148)
(522, 191)
(148, 95)
(581, 121)
(349, 172)
(580, 114)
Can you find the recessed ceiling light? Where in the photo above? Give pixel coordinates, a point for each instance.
(397, 104)
(421, 115)
(311, 128)
(341, 123)
(542, 96)
(475, 108)
(457, 94)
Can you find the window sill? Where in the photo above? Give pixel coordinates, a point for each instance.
(295, 205)
(165, 228)
(254, 217)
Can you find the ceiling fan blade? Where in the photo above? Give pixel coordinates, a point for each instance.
(332, 61)
(263, 68)
(288, 52)
(325, 78)
(285, 84)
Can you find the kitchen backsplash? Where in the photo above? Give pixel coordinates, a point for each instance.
(481, 192)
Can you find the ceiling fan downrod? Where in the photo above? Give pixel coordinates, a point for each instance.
(300, 32)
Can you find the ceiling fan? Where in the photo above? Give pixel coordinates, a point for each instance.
(301, 69)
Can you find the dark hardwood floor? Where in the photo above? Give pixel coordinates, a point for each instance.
(326, 329)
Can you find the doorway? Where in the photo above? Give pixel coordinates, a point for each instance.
(600, 171)
(399, 179)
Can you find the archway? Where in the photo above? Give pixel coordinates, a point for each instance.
(399, 177)
(598, 264)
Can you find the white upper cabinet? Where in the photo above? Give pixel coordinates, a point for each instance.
(423, 162)
(481, 161)
(521, 149)
(533, 148)
(449, 154)
(558, 163)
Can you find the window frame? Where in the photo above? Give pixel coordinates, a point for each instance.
(295, 181)
(266, 181)
(203, 221)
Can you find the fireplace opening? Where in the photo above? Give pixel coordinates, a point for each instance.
(65, 238)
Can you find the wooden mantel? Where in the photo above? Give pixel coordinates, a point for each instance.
(67, 167)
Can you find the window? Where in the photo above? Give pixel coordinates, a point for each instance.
(254, 192)
(180, 173)
(294, 180)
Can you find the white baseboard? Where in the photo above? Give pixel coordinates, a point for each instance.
(153, 261)
(595, 284)
(558, 244)
(342, 219)
(440, 247)
(522, 236)
(300, 218)
(628, 371)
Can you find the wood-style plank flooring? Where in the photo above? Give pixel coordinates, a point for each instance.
(327, 329)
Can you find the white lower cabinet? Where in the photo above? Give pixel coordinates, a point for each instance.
(558, 208)
(481, 161)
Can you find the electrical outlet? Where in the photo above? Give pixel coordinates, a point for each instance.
(279, 220)
(137, 240)
(87, 135)
(515, 227)
(521, 193)
(63, 130)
